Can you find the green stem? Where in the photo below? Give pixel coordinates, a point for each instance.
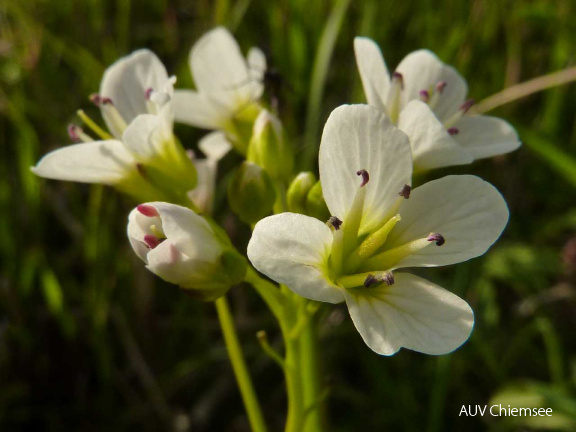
(309, 355)
(294, 386)
(300, 365)
(240, 370)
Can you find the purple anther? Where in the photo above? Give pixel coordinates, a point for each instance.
(405, 192)
(335, 222)
(152, 241)
(440, 86)
(96, 99)
(436, 237)
(148, 93)
(370, 280)
(365, 177)
(74, 132)
(453, 131)
(398, 77)
(107, 101)
(388, 278)
(147, 210)
(467, 105)
(424, 96)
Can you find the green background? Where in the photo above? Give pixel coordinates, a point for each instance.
(89, 340)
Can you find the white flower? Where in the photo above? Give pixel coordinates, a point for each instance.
(375, 229)
(228, 86)
(144, 157)
(185, 249)
(426, 99)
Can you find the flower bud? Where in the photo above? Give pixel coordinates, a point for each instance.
(269, 149)
(251, 193)
(185, 249)
(298, 192)
(315, 204)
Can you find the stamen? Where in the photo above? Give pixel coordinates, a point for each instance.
(148, 92)
(370, 280)
(389, 258)
(436, 237)
(107, 105)
(393, 102)
(76, 134)
(96, 99)
(397, 76)
(147, 210)
(405, 192)
(453, 131)
(365, 177)
(458, 114)
(100, 100)
(371, 244)
(467, 105)
(93, 126)
(334, 222)
(388, 278)
(152, 241)
(424, 96)
(440, 86)
(366, 280)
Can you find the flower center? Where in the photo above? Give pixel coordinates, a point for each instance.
(155, 234)
(359, 260)
(432, 96)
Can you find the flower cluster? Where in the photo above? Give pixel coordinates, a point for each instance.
(346, 237)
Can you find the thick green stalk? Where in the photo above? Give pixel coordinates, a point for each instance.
(311, 380)
(292, 366)
(239, 365)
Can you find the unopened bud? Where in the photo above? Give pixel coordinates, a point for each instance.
(185, 249)
(298, 192)
(268, 147)
(251, 193)
(315, 204)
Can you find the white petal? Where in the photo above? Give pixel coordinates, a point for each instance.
(256, 63)
(486, 136)
(293, 249)
(145, 136)
(106, 162)
(126, 82)
(412, 313)
(167, 261)
(432, 146)
(203, 194)
(215, 145)
(422, 70)
(189, 232)
(469, 212)
(220, 70)
(195, 109)
(373, 71)
(361, 137)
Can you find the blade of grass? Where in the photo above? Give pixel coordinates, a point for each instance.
(318, 82)
(561, 162)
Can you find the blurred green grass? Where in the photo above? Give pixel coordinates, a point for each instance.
(89, 340)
